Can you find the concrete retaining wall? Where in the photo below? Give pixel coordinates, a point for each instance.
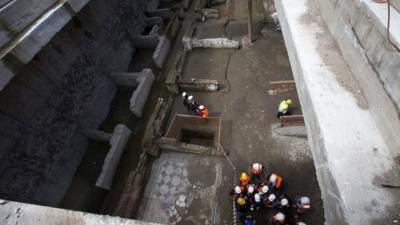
(359, 29)
(63, 90)
(350, 152)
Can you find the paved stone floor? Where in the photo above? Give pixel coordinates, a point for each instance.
(182, 190)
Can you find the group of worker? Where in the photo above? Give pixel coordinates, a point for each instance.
(255, 190)
(200, 110)
(194, 106)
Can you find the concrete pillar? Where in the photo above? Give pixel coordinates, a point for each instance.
(118, 141)
(142, 81)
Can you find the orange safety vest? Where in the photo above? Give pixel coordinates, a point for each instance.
(204, 113)
(279, 180)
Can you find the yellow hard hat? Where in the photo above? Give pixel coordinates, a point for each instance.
(289, 101)
(241, 201)
(243, 176)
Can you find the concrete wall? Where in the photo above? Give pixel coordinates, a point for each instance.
(360, 33)
(352, 154)
(12, 213)
(64, 89)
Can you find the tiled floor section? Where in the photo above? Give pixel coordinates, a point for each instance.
(182, 190)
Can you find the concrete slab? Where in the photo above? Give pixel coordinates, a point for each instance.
(344, 138)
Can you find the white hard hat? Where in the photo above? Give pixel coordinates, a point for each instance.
(301, 223)
(257, 197)
(184, 94)
(305, 200)
(272, 197)
(284, 201)
(265, 189)
(201, 107)
(273, 178)
(190, 97)
(238, 190)
(257, 166)
(280, 217)
(250, 189)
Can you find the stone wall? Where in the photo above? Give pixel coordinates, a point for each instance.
(64, 89)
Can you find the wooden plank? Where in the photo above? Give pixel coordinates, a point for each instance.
(291, 120)
(282, 86)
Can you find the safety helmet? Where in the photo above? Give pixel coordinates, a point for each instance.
(243, 176)
(273, 178)
(265, 189)
(250, 189)
(256, 168)
(305, 200)
(184, 94)
(289, 101)
(257, 197)
(272, 197)
(284, 202)
(238, 190)
(241, 201)
(301, 223)
(280, 217)
(190, 97)
(201, 107)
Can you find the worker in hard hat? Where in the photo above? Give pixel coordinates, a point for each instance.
(185, 100)
(250, 191)
(284, 108)
(202, 111)
(256, 173)
(279, 218)
(256, 202)
(244, 179)
(275, 181)
(302, 204)
(283, 203)
(237, 192)
(242, 205)
(263, 190)
(270, 201)
(193, 105)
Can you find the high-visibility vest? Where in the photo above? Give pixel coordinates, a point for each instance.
(283, 107)
(204, 113)
(279, 181)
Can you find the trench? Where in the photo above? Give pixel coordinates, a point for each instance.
(66, 90)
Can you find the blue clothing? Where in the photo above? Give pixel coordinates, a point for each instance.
(248, 222)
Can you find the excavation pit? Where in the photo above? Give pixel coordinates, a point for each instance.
(198, 137)
(195, 130)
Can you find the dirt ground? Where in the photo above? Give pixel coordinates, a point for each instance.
(249, 120)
